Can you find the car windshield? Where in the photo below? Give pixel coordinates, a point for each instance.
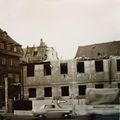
(49, 106)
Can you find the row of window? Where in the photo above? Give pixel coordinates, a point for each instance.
(99, 67)
(8, 47)
(9, 61)
(64, 90)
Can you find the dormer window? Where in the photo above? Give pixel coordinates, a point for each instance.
(4, 35)
(35, 53)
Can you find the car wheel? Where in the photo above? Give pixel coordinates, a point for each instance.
(66, 115)
(41, 117)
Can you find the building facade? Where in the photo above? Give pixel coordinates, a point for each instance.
(10, 53)
(67, 79)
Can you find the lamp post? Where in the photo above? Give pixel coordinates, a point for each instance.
(6, 93)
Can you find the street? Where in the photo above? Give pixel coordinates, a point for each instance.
(93, 117)
(33, 118)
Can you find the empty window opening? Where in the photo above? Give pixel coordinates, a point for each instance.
(82, 89)
(35, 53)
(48, 92)
(65, 91)
(63, 68)
(99, 66)
(80, 67)
(47, 69)
(118, 65)
(99, 86)
(30, 70)
(32, 92)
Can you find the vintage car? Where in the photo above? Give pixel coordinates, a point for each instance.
(52, 111)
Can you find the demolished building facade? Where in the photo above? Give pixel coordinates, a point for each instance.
(66, 79)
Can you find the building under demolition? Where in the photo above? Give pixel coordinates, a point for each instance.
(10, 53)
(94, 66)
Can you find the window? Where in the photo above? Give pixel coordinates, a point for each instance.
(32, 92)
(35, 53)
(99, 86)
(2, 45)
(119, 85)
(65, 91)
(8, 47)
(3, 61)
(30, 70)
(47, 69)
(15, 49)
(118, 65)
(80, 67)
(10, 61)
(48, 92)
(82, 89)
(49, 106)
(99, 66)
(63, 68)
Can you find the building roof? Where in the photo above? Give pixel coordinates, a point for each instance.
(99, 50)
(4, 36)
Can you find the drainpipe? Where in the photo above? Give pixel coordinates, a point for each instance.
(6, 93)
(110, 71)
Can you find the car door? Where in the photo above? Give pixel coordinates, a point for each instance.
(53, 111)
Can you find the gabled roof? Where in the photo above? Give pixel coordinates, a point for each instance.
(99, 50)
(7, 38)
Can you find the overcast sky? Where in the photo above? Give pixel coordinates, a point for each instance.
(63, 24)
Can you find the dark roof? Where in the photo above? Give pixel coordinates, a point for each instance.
(99, 50)
(7, 37)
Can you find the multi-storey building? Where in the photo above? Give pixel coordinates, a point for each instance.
(10, 53)
(56, 79)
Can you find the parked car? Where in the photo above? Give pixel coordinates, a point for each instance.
(52, 111)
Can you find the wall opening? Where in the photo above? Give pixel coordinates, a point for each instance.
(65, 91)
(47, 92)
(99, 86)
(30, 70)
(82, 89)
(32, 92)
(47, 69)
(118, 65)
(99, 66)
(80, 67)
(63, 68)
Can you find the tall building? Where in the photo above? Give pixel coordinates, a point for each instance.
(10, 53)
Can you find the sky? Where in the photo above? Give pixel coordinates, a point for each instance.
(62, 24)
